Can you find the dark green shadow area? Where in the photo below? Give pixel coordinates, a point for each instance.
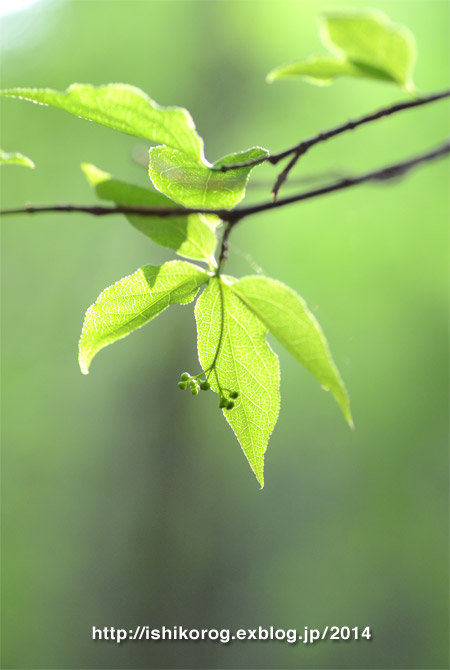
(168, 232)
(191, 236)
(372, 71)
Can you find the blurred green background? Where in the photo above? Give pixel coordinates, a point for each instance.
(127, 502)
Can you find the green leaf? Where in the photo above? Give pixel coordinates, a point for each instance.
(288, 318)
(232, 340)
(15, 159)
(124, 108)
(135, 300)
(194, 184)
(191, 236)
(365, 44)
(178, 169)
(370, 39)
(322, 70)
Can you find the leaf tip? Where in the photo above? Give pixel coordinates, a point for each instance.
(344, 403)
(258, 471)
(84, 360)
(84, 365)
(27, 162)
(15, 158)
(345, 406)
(93, 174)
(411, 89)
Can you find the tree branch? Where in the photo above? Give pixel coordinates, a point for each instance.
(234, 216)
(384, 174)
(99, 210)
(304, 145)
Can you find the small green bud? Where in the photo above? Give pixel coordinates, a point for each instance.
(185, 376)
(205, 386)
(223, 403)
(234, 395)
(193, 384)
(182, 385)
(194, 390)
(230, 404)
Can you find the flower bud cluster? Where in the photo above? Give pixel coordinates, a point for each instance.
(193, 382)
(199, 382)
(227, 403)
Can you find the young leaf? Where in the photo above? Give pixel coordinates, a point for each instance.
(370, 39)
(135, 300)
(231, 341)
(15, 159)
(191, 236)
(288, 318)
(195, 184)
(366, 44)
(124, 108)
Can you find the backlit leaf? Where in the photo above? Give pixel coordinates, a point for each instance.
(232, 340)
(369, 39)
(15, 158)
(195, 184)
(135, 300)
(288, 318)
(124, 108)
(365, 44)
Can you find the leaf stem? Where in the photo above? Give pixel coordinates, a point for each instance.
(223, 254)
(219, 344)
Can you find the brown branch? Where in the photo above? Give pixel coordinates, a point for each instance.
(284, 173)
(234, 216)
(99, 210)
(384, 174)
(304, 145)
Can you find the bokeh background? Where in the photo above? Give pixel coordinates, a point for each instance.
(126, 502)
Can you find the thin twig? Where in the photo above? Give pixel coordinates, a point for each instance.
(284, 173)
(306, 179)
(304, 145)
